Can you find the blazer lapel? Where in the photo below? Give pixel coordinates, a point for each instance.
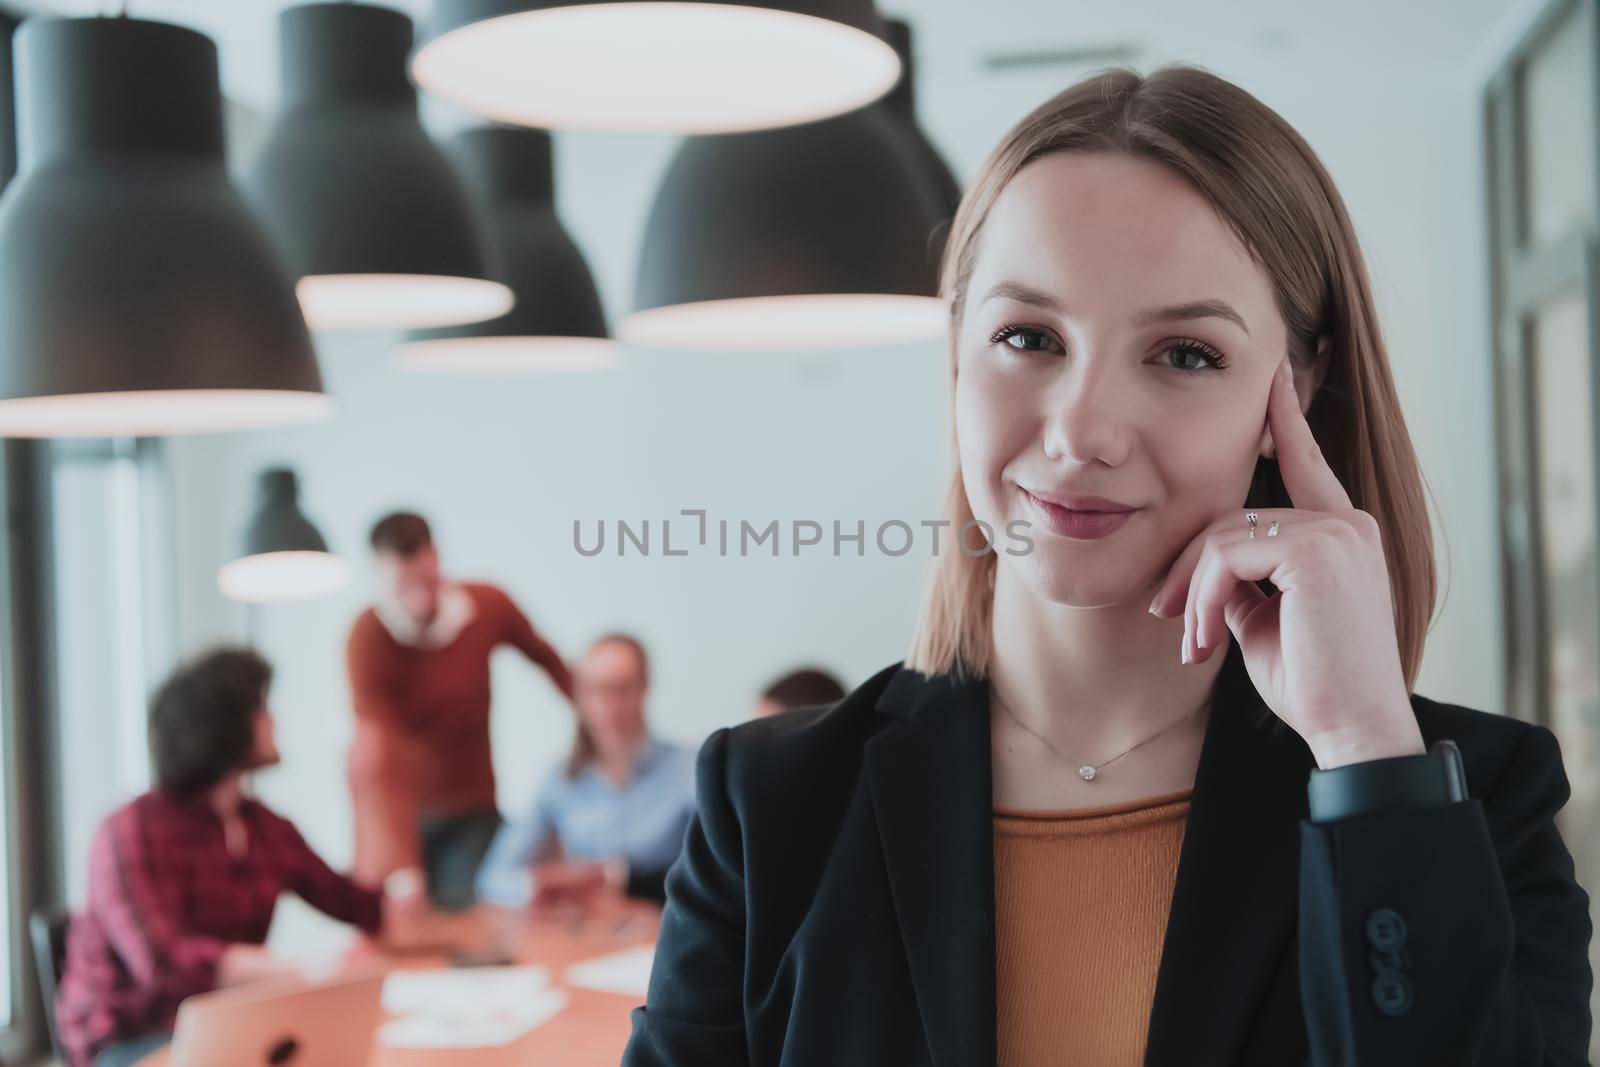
(929, 776)
(1234, 903)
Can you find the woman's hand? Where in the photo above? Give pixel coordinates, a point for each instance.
(1322, 650)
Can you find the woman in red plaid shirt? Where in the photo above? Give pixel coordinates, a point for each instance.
(184, 879)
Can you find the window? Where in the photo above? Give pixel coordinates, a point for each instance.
(1544, 186)
(1557, 114)
(27, 818)
(108, 634)
(85, 615)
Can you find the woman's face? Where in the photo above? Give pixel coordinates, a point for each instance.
(610, 693)
(1072, 379)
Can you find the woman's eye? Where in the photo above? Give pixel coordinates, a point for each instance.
(1023, 339)
(1194, 357)
(1189, 356)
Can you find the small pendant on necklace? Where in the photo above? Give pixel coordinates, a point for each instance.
(1086, 772)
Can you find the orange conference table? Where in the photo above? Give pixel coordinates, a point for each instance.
(591, 1031)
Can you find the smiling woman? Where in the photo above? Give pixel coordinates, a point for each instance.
(1064, 830)
(1139, 214)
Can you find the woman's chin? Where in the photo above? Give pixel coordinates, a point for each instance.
(1077, 585)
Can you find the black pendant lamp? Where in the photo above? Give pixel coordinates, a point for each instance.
(902, 102)
(826, 235)
(370, 214)
(138, 295)
(8, 104)
(557, 323)
(709, 67)
(283, 557)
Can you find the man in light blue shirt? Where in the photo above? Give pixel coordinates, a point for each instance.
(616, 813)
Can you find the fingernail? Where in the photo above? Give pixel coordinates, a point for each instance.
(1184, 654)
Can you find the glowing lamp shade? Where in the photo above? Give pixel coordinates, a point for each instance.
(369, 213)
(159, 412)
(403, 301)
(826, 235)
(816, 236)
(138, 295)
(284, 558)
(281, 577)
(556, 325)
(714, 67)
(783, 323)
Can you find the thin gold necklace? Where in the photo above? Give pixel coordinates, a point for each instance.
(1087, 771)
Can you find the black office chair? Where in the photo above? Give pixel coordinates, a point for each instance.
(47, 927)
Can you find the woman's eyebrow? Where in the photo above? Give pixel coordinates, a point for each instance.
(1023, 294)
(1194, 309)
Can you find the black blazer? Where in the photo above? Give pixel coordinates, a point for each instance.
(834, 903)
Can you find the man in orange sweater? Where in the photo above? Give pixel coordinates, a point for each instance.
(421, 776)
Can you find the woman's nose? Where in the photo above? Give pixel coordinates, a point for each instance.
(1086, 415)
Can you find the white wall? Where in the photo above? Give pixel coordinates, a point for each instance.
(503, 467)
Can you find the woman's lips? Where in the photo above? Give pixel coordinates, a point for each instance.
(1079, 525)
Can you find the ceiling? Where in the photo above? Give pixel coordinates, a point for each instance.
(1353, 76)
(1253, 40)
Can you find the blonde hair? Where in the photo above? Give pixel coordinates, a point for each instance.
(1268, 185)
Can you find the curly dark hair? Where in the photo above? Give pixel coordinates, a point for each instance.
(202, 719)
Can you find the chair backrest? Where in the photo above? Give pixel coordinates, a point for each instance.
(47, 927)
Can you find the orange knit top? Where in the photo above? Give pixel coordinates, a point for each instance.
(1081, 903)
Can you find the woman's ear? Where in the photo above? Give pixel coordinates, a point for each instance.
(1304, 388)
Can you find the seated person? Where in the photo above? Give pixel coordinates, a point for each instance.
(183, 879)
(614, 817)
(803, 688)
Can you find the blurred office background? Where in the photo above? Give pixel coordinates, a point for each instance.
(1462, 135)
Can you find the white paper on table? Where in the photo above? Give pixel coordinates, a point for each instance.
(627, 972)
(467, 993)
(491, 1030)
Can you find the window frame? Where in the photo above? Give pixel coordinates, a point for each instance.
(1524, 279)
(32, 839)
